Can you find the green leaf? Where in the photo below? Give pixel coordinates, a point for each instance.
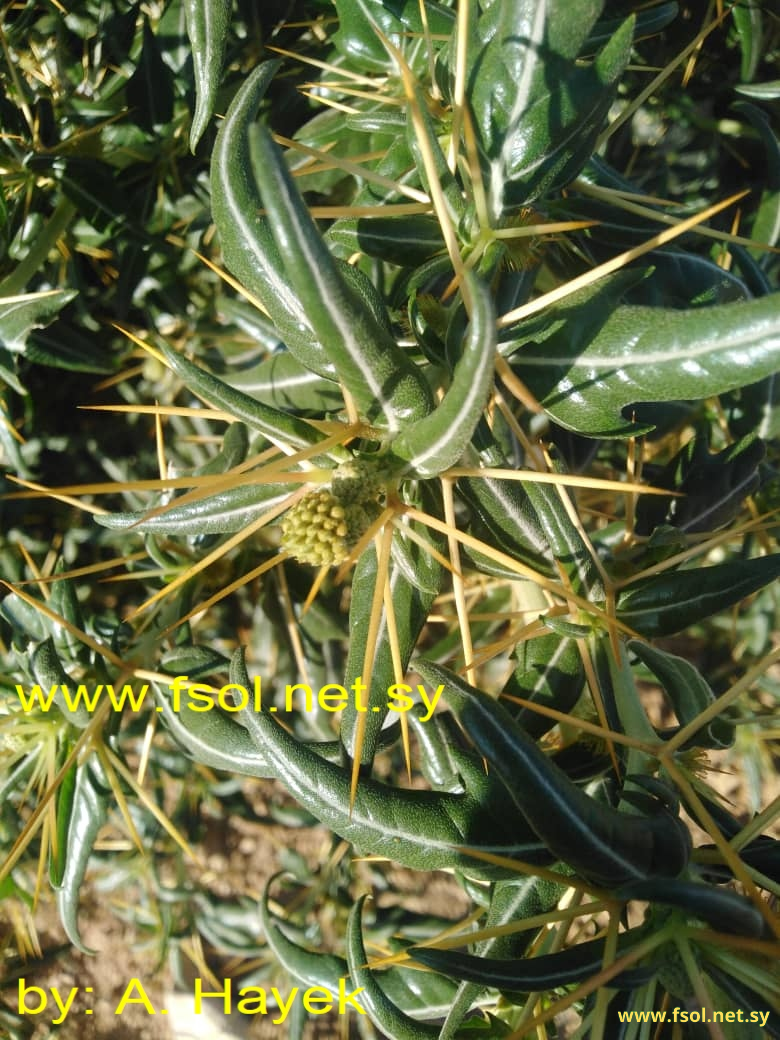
(760, 91)
(407, 241)
(59, 852)
(427, 996)
(223, 513)
(213, 739)
(284, 383)
(749, 22)
(248, 246)
(64, 347)
(504, 515)
(48, 671)
(207, 28)
(383, 1011)
(568, 547)
(436, 442)
(359, 21)
(756, 408)
(669, 603)
(511, 901)
(713, 486)
(532, 974)
(419, 829)
(649, 21)
(589, 370)
(721, 908)
(388, 388)
(87, 816)
(550, 673)
(278, 426)
(412, 595)
(537, 113)
(599, 842)
(19, 315)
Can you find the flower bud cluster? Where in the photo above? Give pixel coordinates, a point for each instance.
(324, 526)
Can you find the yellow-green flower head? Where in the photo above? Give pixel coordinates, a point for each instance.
(356, 481)
(322, 528)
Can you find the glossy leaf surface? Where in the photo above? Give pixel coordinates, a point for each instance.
(595, 364)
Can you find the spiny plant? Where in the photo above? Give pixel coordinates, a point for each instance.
(519, 460)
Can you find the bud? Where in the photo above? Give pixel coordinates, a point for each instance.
(322, 528)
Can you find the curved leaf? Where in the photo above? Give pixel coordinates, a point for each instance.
(550, 673)
(586, 373)
(384, 1013)
(248, 246)
(688, 691)
(601, 843)
(547, 971)
(19, 315)
(283, 382)
(419, 829)
(87, 816)
(207, 27)
(668, 603)
(428, 998)
(387, 387)
(723, 909)
(537, 113)
(436, 442)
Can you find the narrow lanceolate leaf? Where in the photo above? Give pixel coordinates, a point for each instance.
(425, 830)
(668, 603)
(248, 247)
(278, 426)
(213, 740)
(87, 816)
(688, 691)
(599, 842)
(547, 971)
(721, 908)
(362, 21)
(387, 387)
(404, 240)
(224, 513)
(207, 27)
(585, 373)
(433, 444)
(568, 546)
(65, 797)
(382, 1011)
(49, 673)
(283, 382)
(511, 901)
(713, 486)
(503, 507)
